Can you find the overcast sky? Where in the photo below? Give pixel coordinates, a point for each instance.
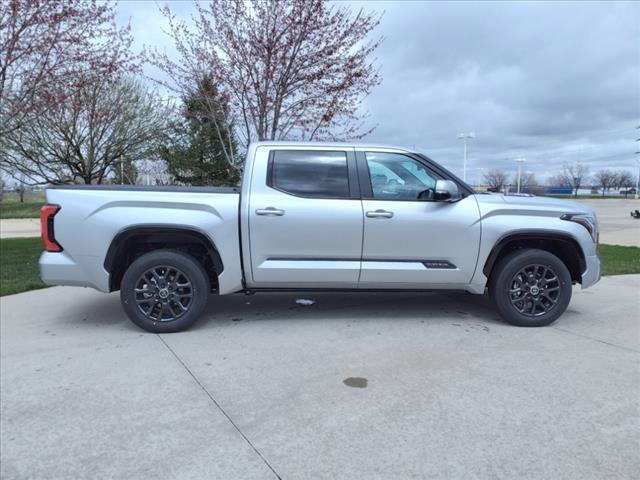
(551, 82)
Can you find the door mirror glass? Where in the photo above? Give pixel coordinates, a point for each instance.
(446, 191)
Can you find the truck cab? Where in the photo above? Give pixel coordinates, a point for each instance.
(356, 217)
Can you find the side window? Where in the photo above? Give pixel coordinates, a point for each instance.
(315, 174)
(397, 177)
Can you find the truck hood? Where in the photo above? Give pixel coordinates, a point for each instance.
(552, 203)
(534, 203)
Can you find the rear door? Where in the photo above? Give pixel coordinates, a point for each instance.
(305, 218)
(410, 240)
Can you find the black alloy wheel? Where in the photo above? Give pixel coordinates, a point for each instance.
(164, 291)
(530, 287)
(535, 290)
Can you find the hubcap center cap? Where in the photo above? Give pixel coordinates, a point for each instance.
(535, 290)
(163, 293)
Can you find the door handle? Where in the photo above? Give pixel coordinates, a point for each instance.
(276, 212)
(380, 214)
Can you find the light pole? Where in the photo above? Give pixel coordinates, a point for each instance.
(520, 162)
(638, 179)
(480, 174)
(464, 137)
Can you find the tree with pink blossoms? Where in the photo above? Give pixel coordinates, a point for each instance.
(50, 48)
(288, 69)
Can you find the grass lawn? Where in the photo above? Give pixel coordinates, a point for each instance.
(19, 263)
(619, 260)
(20, 210)
(590, 197)
(11, 207)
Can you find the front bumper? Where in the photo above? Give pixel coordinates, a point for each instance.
(593, 271)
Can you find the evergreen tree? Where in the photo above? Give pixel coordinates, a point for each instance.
(195, 147)
(125, 172)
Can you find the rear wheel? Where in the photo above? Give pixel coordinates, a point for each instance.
(164, 291)
(530, 288)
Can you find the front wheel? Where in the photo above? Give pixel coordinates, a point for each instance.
(164, 291)
(530, 288)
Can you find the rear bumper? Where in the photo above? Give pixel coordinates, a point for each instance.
(59, 268)
(593, 272)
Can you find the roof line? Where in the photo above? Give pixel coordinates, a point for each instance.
(285, 143)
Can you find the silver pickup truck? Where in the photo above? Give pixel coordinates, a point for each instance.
(318, 216)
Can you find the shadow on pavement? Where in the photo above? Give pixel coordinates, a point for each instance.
(437, 307)
(105, 310)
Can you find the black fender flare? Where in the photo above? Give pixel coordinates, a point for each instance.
(534, 235)
(170, 233)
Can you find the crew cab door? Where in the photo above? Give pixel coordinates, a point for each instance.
(305, 218)
(411, 240)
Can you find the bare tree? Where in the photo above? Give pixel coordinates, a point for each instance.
(495, 180)
(287, 68)
(82, 138)
(605, 179)
(527, 180)
(576, 174)
(624, 180)
(44, 44)
(560, 180)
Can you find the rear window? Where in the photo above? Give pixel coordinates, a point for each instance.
(315, 174)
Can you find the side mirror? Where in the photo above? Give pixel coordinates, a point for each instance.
(447, 191)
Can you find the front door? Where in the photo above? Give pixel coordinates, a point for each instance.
(410, 240)
(305, 219)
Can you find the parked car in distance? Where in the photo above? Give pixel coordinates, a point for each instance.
(318, 216)
(628, 191)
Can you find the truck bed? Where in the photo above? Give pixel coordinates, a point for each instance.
(92, 216)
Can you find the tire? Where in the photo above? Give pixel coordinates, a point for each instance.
(172, 290)
(530, 288)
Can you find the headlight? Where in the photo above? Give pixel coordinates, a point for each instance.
(589, 222)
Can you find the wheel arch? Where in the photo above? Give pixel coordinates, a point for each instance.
(133, 241)
(563, 245)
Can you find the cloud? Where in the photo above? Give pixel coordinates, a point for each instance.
(552, 82)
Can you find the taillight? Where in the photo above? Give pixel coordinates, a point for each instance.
(46, 227)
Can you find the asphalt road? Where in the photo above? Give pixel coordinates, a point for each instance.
(617, 227)
(354, 386)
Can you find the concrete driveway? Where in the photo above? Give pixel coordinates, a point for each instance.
(19, 227)
(256, 389)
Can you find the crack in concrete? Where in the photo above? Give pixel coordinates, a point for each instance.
(219, 407)
(596, 340)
